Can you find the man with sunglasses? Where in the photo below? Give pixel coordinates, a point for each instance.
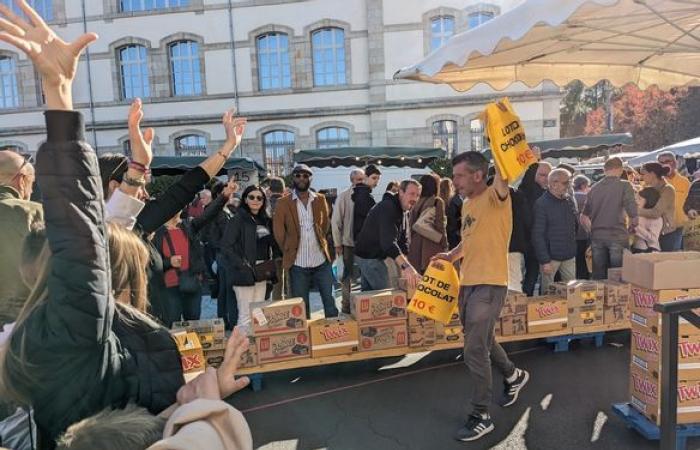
(673, 241)
(554, 230)
(301, 224)
(17, 214)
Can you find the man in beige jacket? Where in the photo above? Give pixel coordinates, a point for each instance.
(342, 226)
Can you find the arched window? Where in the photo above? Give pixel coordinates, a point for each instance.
(185, 75)
(479, 17)
(274, 71)
(330, 137)
(441, 29)
(277, 150)
(191, 145)
(149, 5)
(133, 71)
(328, 56)
(43, 7)
(9, 90)
(479, 143)
(445, 136)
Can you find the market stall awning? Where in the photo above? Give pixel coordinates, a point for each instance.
(173, 165)
(683, 148)
(358, 156)
(581, 146)
(646, 42)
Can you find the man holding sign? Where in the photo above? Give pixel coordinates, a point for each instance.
(486, 228)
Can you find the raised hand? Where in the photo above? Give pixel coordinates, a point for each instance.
(55, 59)
(236, 345)
(235, 127)
(141, 151)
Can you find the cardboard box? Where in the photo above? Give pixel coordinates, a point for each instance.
(191, 353)
(383, 335)
(514, 325)
(546, 313)
(249, 358)
(416, 320)
(283, 346)
(403, 285)
(617, 293)
(579, 293)
(615, 274)
(642, 307)
(282, 316)
(586, 316)
(454, 320)
(676, 270)
(331, 337)
(616, 314)
(645, 397)
(214, 327)
(498, 330)
(515, 304)
(210, 341)
(646, 354)
(421, 336)
(454, 334)
(379, 306)
(214, 358)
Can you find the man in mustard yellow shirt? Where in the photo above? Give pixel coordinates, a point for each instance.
(487, 223)
(673, 241)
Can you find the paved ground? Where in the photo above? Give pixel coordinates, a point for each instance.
(420, 404)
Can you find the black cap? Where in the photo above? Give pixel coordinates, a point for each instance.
(300, 168)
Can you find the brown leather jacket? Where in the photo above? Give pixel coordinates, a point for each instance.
(286, 229)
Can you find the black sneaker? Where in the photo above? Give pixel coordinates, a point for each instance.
(477, 426)
(512, 390)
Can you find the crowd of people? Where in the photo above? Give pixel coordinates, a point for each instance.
(93, 277)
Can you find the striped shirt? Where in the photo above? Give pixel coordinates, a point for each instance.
(309, 254)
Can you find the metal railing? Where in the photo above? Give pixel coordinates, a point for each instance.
(670, 316)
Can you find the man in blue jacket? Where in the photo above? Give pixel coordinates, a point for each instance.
(554, 230)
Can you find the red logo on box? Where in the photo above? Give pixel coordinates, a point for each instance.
(645, 386)
(191, 362)
(399, 300)
(366, 343)
(690, 392)
(301, 338)
(547, 310)
(646, 343)
(643, 299)
(364, 305)
(401, 338)
(689, 349)
(264, 344)
(296, 311)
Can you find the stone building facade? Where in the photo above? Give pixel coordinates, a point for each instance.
(306, 73)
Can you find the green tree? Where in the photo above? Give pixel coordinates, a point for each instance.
(578, 102)
(161, 183)
(442, 167)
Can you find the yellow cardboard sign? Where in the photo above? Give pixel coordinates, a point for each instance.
(506, 134)
(436, 295)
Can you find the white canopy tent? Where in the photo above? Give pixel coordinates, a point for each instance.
(646, 42)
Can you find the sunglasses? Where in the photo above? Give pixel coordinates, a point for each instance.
(255, 197)
(302, 175)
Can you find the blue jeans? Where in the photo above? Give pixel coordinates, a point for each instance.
(673, 241)
(301, 279)
(607, 254)
(375, 275)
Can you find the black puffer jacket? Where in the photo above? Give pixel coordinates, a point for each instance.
(240, 247)
(521, 236)
(80, 356)
(363, 203)
(554, 228)
(454, 221)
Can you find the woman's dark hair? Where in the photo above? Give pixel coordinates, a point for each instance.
(430, 184)
(113, 166)
(391, 186)
(244, 204)
(651, 197)
(216, 189)
(657, 169)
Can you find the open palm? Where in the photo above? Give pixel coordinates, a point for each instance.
(55, 59)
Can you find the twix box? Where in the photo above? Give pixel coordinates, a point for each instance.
(645, 397)
(646, 353)
(283, 316)
(191, 353)
(642, 311)
(379, 306)
(333, 337)
(546, 313)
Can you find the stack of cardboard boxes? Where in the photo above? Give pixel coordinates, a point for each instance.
(424, 332)
(382, 319)
(212, 339)
(513, 319)
(332, 337)
(616, 309)
(661, 278)
(280, 330)
(547, 313)
(585, 301)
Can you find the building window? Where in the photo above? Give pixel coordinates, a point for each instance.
(479, 143)
(329, 56)
(133, 71)
(191, 145)
(12, 148)
(126, 147)
(274, 71)
(9, 93)
(185, 73)
(277, 149)
(479, 17)
(333, 137)
(149, 5)
(445, 136)
(43, 7)
(441, 29)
